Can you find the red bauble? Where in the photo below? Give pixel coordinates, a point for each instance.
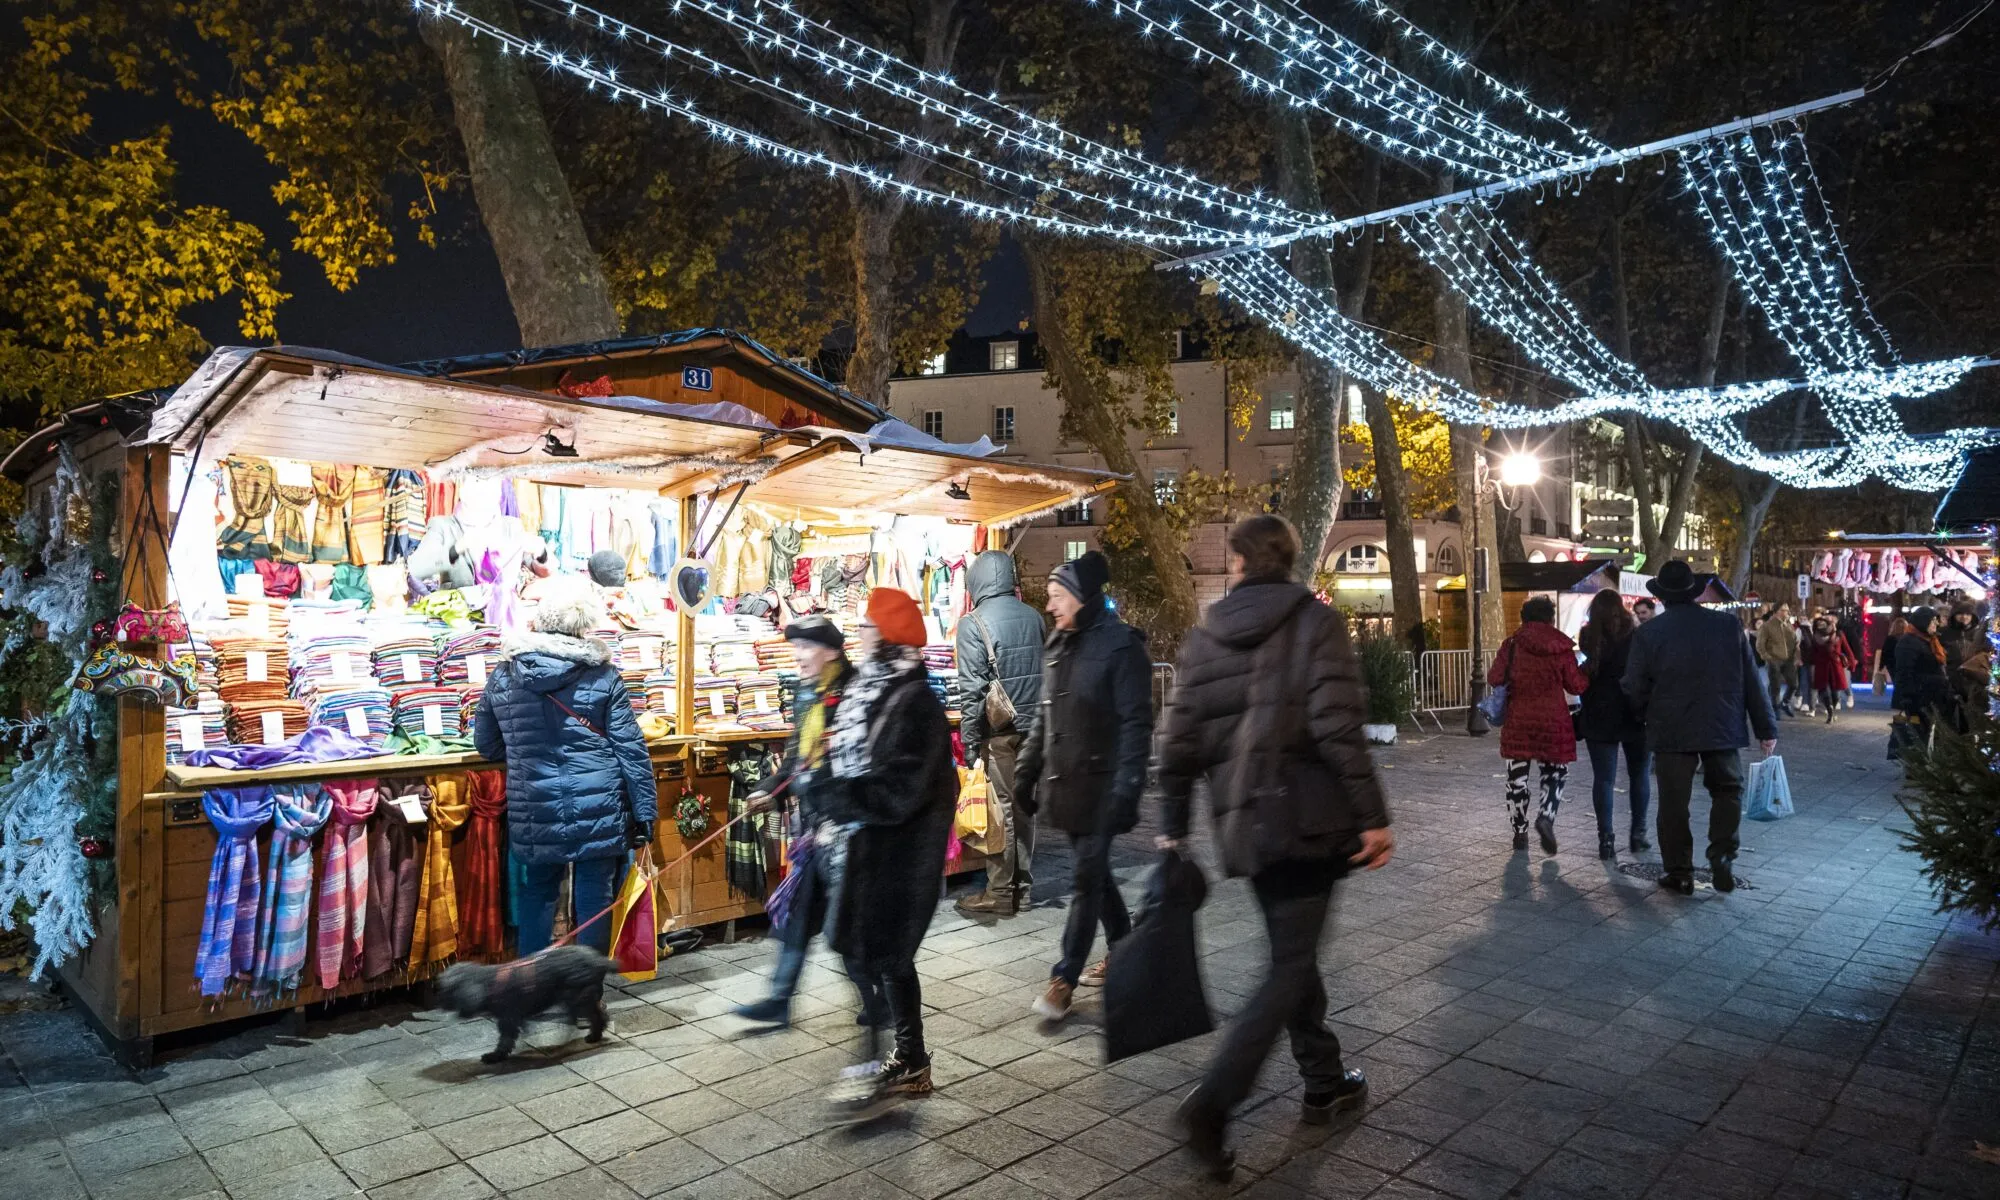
(98, 575)
(95, 847)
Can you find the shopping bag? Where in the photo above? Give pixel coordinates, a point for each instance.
(978, 823)
(1152, 983)
(1768, 795)
(635, 928)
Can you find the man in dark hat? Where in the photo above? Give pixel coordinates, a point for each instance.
(1693, 679)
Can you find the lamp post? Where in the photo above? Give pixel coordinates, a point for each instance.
(1518, 470)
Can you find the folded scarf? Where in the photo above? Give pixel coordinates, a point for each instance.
(252, 491)
(435, 935)
(395, 872)
(343, 880)
(365, 516)
(351, 583)
(334, 486)
(403, 515)
(290, 541)
(480, 930)
(281, 580)
(228, 946)
(281, 918)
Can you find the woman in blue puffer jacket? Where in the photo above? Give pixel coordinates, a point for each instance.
(580, 789)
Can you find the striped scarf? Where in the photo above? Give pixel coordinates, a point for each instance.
(229, 921)
(289, 541)
(744, 865)
(343, 880)
(365, 523)
(334, 486)
(281, 919)
(395, 877)
(403, 514)
(435, 937)
(252, 484)
(481, 933)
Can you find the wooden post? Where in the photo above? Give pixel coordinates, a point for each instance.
(142, 750)
(684, 641)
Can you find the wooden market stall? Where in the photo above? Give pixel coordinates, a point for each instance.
(717, 473)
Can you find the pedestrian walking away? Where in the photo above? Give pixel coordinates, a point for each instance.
(580, 789)
(1848, 624)
(999, 688)
(1963, 636)
(1692, 681)
(1608, 724)
(1083, 764)
(887, 798)
(1538, 667)
(1923, 690)
(1268, 707)
(1885, 657)
(1778, 643)
(1828, 658)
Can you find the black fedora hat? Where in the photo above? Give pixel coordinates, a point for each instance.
(1678, 583)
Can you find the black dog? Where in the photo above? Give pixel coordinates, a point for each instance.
(567, 977)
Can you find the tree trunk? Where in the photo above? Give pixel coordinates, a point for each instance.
(1312, 486)
(1754, 494)
(1095, 416)
(873, 255)
(555, 281)
(1647, 529)
(1684, 481)
(1454, 361)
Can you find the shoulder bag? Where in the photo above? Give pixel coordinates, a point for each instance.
(999, 706)
(1494, 706)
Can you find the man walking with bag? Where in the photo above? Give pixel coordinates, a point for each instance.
(1269, 707)
(999, 685)
(1693, 681)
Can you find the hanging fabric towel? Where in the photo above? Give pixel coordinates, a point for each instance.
(333, 487)
(480, 930)
(290, 541)
(395, 873)
(343, 880)
(228, 947)
(435, 937)
(252, 492)
(403, 514)
(365, 533)
(665, 548)
(281, 918)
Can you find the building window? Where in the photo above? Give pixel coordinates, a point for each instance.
(1447, 560)
(1360, 560)
(1003, 424)
(1166, 485)
(1539, 526)
(1075, 550)
(1177, 345)
(1281, 411)
(1004, 356)
(934, 365)
(1075, 514)
(1174, 419)
(934, 422)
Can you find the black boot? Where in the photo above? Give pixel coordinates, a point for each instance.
(1639, 842)
(1205, 1129)
(1349, 1095)
(1545, 828)
(1520, 841)
(1607, 848)
(1724, 873)
(1678, 881)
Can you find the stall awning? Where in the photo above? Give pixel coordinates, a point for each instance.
(836, 480)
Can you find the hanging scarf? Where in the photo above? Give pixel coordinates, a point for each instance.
(228, 946)
(395, 875)
(289, 540)
(403, 514)
(364, 522)
(480, 931)
(435, 936)
(786, 542)
(343, 880)
(334, 487)
(744, 866)
(847, 746)
(252, 492)
(281, 918)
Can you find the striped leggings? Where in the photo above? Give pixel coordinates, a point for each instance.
(1554, 776)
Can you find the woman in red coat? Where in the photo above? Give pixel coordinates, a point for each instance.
(1828, 657)
(1538, 665)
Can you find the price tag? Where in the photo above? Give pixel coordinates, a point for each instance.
(191, 735)
(649, 654)
(274, 729)
(357, 722)
(475, 670)
(260, 619)
(411, 808)
(343, 669)
(249, 583)
(433, 720)
(257, 666)
(413, 669)
(715, 704)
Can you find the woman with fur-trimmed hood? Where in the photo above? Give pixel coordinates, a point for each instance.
(580, 788)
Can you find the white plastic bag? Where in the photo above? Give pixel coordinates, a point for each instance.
(1768, 795)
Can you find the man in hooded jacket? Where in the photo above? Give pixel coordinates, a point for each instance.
(1000, 646)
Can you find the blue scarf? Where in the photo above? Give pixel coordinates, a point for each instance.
(281, 918)
(228, 946)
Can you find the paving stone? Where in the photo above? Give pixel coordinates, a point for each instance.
(397, 1158)
(262, 1155)
(742, 1136)
(647, 1084)
(1121, 1144)
(455, 1182)
(571, 1106)
(338, 1133)
(608, 1137)
(185, 1176)
(588, 1184)
(488, 1131)
(797, 1168)
(663, 1166)
(688, 1111)
(930, 1170)
(995, 1142)
(315, 1180)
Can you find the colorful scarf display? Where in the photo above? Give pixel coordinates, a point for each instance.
(343, 879)
(395, 876)
(228, 946)
(435, 936)
(281, 917)
(334, 487)
(480, 929)
(366, 515)
(290, 542)
(403, 514)
(252, 492)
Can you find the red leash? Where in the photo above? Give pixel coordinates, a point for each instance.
(650, 875)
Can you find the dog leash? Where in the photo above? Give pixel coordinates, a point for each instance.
(650, 877)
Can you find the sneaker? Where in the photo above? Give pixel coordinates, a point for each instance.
(1054, 1003)
(1093, 975)
(903, 1079)
(988, 904)
(1850, 699)
(858, 1095)
(1346, 1096)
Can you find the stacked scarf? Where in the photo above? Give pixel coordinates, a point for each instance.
(480, 931)
(365, 516)
(281, 919)
(252, 492)
(334, 486)
(343, 879)
(228, 946)
(289, 540)
(395, 877)
(435, 936)
(403, 515)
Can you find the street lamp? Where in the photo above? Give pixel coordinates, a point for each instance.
(1519, 469)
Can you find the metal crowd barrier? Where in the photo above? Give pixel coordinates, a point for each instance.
(1442, 679)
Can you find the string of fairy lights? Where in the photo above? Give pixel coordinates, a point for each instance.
(1757, 193)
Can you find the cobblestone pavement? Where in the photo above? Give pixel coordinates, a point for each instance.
(1531, 1026)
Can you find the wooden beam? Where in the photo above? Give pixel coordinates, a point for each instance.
(701, 480)
(684, 636)
(142, 752)
(1039, 505)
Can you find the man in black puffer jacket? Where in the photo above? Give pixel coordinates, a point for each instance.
(1000, 646)
(1084, 762)
(1268, 705)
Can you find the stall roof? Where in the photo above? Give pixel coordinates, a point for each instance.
(1974, 499)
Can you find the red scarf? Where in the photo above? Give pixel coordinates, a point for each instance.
(480, 933)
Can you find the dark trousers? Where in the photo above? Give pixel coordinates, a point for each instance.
(899, 987)
(1722, 775)
(1604, 783)
(590, 892)
(808, 916)
(1014, 873)
(1094, 897)
(1296, 898)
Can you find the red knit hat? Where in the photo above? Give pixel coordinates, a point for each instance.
(896, 618)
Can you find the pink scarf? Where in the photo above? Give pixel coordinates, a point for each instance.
(343, 880)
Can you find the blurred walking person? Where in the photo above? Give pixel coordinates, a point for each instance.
(1538, 667)
(999, 686)
(1923, 690)
(1827, 658)
(1778, 644)
(1608, 725)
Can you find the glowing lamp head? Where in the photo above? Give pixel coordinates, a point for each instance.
(1520, 469)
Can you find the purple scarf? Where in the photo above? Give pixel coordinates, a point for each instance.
(281, 919)
(229, 922)
(321, 743)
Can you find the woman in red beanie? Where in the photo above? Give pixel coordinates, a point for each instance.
(888, 801)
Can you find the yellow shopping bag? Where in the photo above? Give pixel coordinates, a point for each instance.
(635, 926)
(978, 823)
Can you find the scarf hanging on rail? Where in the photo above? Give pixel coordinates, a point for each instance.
(281, 917)
(228, 946)
(290, 541)
(334, 487)
(481, 933)
(745, 867)
(403, 514)
(435, 936)
(395, 876)
(365, 516)
(343, 879)
(252, 492)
